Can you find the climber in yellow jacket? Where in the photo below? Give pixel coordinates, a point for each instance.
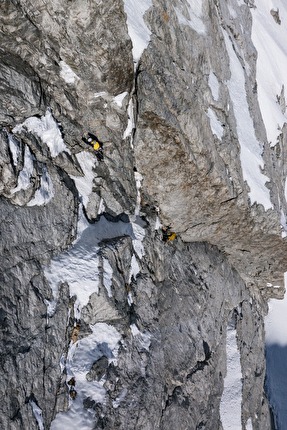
(167, 234)
(92, 140)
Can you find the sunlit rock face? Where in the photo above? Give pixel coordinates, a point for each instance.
(104, 324)
(200, 140)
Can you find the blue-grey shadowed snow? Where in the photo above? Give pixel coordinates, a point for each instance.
(276, 383)
(78, 266)
(103, 341)
(86, 354)
(103, 229)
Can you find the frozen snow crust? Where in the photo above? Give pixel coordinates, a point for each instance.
(79, 266)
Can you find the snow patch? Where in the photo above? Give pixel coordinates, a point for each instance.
(137, 28)
(79, 266)
(249, 425)
(62, 363)
(46, 191)
(158, 224)
(138, 179)
(37, 412)
(138, 234)
(68, 74)
(194, 8)
(47, 129)
(120, 98)
(81, 356)
(120, 398)
(135, 268)
(77, 417)
(214, 86)
(215, 124)
(24, 177)
(102, 94)
(283, 222)
(251, 149)
(15, 148)
(130, 298)
(144, 338)
(230, 405)
(84, 183)
(101, 206)
(83, 353)
(131, 123)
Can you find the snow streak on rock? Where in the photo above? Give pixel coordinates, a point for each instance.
(103, 342)
(79, 266)
(37, 412)
(230, 406)
(14, 148)
(120, 98)
(269, 38)
(47, 129)
(143, 338)
(138, 236)
(215, 124)
(84, 183)
(137, 28)
(269, 34)
(251, 149)
(24, 178)
(68, 74)
(191, 15)
(131, 123)
(249, 425)
(135, 269)
(138, 179)
(45, 193)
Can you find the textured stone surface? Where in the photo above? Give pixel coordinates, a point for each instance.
(177, 381)
(170, 304)
(192, 174)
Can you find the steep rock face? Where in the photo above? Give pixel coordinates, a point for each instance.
(190, 129)
(52, 38)
(104, 325)
(29, 237)
(166, 382)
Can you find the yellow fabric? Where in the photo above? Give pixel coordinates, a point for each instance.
(171, 236)
(96, 146)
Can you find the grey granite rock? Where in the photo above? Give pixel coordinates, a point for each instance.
(170, 303)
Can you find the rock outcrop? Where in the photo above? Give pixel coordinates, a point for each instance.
(104, 324)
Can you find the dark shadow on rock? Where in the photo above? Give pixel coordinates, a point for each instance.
(276, 384)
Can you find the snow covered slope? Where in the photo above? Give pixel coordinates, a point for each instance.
(269, 37)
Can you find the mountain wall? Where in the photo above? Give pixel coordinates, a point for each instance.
(106, 323)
